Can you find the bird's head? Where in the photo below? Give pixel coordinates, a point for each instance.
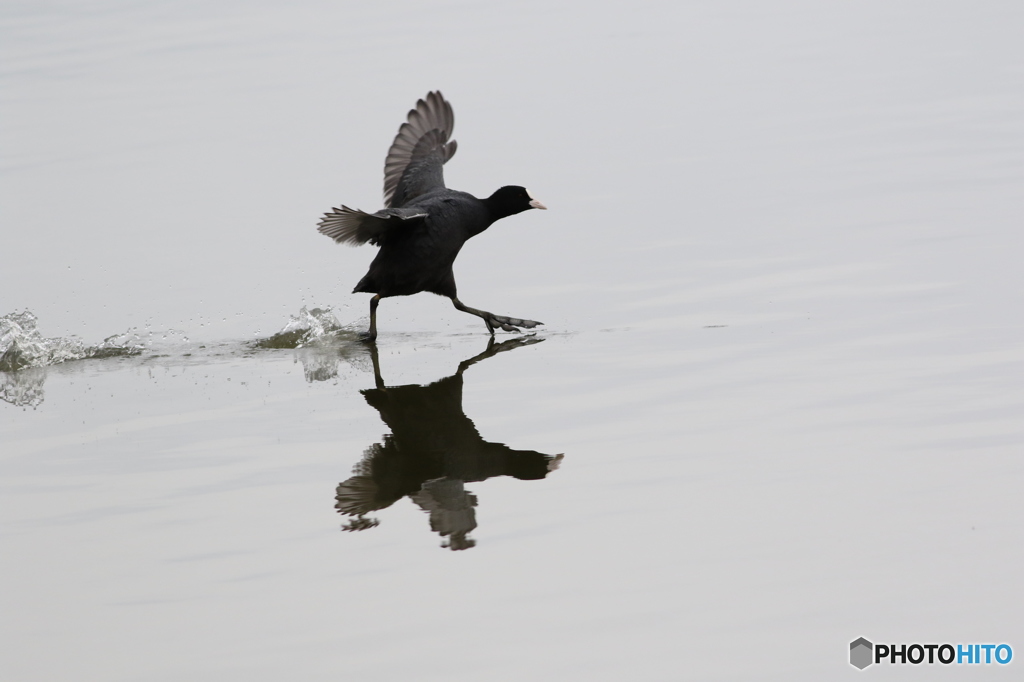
(512, 199)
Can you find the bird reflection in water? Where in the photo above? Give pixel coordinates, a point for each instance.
(433, 450)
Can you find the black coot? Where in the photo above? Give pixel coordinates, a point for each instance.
(424, 224)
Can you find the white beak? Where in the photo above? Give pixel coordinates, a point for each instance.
(537, 204)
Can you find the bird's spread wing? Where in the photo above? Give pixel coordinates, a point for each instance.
(351, 226)
(421, 148)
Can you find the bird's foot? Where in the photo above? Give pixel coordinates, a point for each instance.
(367, 337)
(509, 324)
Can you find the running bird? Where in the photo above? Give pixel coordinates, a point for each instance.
(423, 224)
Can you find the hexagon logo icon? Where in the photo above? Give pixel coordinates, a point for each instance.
(860, 653)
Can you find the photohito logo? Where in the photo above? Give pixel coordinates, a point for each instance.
(863, 653)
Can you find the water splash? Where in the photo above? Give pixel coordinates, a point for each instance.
(321, 341)
(305, 328)
(23, 347)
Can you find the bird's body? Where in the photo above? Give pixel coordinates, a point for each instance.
(424, 224)
(420, 258)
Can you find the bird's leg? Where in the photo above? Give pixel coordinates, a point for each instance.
(371, 334)
(509, 324)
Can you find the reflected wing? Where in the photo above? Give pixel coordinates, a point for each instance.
(421, 148)
(351, 226)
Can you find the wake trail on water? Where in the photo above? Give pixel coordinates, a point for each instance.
(22, 346)
(25, 354)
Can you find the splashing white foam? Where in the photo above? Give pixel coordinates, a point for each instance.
(316, 323)
(22, 346)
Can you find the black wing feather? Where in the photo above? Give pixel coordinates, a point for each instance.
(351, 226)
(421, 147)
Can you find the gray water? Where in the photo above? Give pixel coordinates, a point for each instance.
(776, 404)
